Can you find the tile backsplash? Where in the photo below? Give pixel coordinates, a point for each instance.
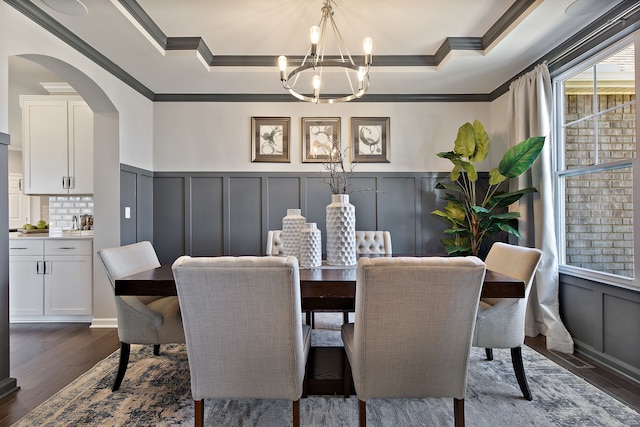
(63, 208)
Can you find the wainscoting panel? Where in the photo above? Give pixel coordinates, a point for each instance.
(245, 216)
(170, 212)
(621, 318)
(286, 191)
(207, 216)
(604, 321)
(401, 213)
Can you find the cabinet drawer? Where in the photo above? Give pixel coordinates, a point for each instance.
(67, 247)
(26, 246)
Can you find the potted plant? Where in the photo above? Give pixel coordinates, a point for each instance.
(473, 216)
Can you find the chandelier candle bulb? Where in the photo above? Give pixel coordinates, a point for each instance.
(282, 62)
(368, 48)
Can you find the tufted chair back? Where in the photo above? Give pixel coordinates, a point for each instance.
(373, 242)
(274, 243)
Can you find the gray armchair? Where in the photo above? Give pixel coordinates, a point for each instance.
(413, 328)
(500, 322)
(243, 328)
(141, 320)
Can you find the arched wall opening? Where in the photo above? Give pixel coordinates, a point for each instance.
(106, 170)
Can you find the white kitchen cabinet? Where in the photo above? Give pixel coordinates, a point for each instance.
(19, 203)
(50, 279)
(57, 134)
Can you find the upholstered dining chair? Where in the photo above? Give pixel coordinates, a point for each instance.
(367, 243)
(243, 328)
(274, 243)
(141, 320)
(373, 242)
(500, 322)
(390, 351)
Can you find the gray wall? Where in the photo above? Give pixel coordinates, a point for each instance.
(7, 384)
(604, 322)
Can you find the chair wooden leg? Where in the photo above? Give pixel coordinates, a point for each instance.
(518, 367)
(345, 317)
(125, 349)
(296, 413)
(489, 352)
(156, 349)
(198, 406)
(362, 413)
(458, 412)
(308, 314)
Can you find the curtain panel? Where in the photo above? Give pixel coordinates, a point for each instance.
(530, 114)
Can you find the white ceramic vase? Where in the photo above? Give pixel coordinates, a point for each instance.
(310, 246)
(341, 231)
(291, 227)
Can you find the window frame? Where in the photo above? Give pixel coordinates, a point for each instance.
(560, 171)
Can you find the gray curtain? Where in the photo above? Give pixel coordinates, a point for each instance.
(530, 114)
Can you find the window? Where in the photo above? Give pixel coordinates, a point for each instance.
(597, 165)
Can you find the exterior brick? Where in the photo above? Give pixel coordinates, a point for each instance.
(599, 206)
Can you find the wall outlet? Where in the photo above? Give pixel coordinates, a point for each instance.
(127, 212)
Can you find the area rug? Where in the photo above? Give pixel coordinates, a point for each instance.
(156, 392)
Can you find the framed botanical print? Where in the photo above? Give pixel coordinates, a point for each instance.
(270, 139)
(370, 139)
(320, 137)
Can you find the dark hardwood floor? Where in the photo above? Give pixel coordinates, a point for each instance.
(47, 357)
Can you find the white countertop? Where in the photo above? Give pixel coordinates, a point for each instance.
(84, 234)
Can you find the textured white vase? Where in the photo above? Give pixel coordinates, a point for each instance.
(291, 227)
(310, 246)
(341, 231)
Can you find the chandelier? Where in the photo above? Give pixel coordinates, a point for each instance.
(314, 62)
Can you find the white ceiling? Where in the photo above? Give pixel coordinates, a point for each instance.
(248, 28)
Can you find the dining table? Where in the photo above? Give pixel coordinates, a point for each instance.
(325, 288)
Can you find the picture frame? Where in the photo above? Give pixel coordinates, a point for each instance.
(320, 136)
(370, 139)
(270, 139)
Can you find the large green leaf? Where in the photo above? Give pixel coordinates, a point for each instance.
(506, 215)
(455, 211)
(509, 229)
(465, 143)
(451, 186)
(520, 157)
(482, 142)
(472, 174)
(506, 199)
(448, 155)
(455, 172)
(495, 177)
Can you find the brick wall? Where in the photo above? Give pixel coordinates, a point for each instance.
(599, 205)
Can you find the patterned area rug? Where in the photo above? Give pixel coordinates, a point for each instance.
(156, 392)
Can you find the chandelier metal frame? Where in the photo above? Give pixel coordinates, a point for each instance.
(315, 60)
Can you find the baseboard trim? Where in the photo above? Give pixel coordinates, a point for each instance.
(104, 323)
(7, 386)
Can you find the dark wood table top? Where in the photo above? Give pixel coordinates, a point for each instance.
(314, 283)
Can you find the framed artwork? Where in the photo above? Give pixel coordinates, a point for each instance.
(270, 139)
(370, 139)
(320, 136)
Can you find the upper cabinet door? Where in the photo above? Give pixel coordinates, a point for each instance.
(80, 148)
(44, 134)
(58, 145)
